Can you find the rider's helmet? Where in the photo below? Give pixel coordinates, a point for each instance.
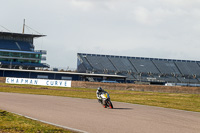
(99, 89)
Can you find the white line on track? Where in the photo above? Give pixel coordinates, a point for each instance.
(65, 127)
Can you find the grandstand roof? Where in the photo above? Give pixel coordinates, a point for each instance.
(141, 58)
(20, 34)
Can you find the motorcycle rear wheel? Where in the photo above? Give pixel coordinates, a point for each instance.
(110, 104)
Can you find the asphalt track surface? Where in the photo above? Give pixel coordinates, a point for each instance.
(89, 116)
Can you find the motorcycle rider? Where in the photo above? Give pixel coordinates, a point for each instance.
(99, 92)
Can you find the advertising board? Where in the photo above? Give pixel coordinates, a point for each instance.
(44, 82)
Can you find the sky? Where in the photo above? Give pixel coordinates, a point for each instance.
(136, 28)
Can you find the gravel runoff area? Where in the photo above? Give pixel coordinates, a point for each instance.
(88, 115)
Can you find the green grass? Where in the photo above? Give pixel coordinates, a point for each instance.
(189, 102)
(11, 123)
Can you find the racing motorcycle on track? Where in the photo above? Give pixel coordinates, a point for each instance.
(106, 100)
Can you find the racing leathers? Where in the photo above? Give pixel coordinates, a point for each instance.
(98, 93)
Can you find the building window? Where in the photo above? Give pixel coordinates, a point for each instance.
(66, 78)
(42, 76)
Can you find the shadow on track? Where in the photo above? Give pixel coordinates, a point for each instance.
(123, 108)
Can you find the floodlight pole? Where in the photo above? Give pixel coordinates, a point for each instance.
(23, 27)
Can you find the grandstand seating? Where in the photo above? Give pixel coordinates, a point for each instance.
(198, 79)
(188, 68)
(95, 63)
(144, 69)
(166, 67)
(170, 79)
(144, 65)
(100, 63)
(11, 45)
(86, 64)
(122, 64)
(130, 77)
(25, 46)
(187, 80)
(147, 78)
(15, 45)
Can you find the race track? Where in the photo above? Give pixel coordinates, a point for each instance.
(89, 116)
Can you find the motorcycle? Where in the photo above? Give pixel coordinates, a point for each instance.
(106, 100)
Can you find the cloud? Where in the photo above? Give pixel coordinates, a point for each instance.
(142, 15)
(84, 5)
(157, 15)
(153, 28)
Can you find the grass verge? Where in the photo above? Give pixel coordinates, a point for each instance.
(11, 123)
(189, 102)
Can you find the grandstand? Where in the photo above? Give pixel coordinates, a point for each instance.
(19, 59)
(153, 70)
(17, 51)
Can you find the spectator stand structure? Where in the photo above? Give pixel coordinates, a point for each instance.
(17, 51)
(140, 69)
(18, 58)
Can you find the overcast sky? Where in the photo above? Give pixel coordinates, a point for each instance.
(141, 28)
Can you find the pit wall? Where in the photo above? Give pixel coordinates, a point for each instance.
(132, 87)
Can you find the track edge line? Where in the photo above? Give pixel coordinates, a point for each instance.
(64, 127)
